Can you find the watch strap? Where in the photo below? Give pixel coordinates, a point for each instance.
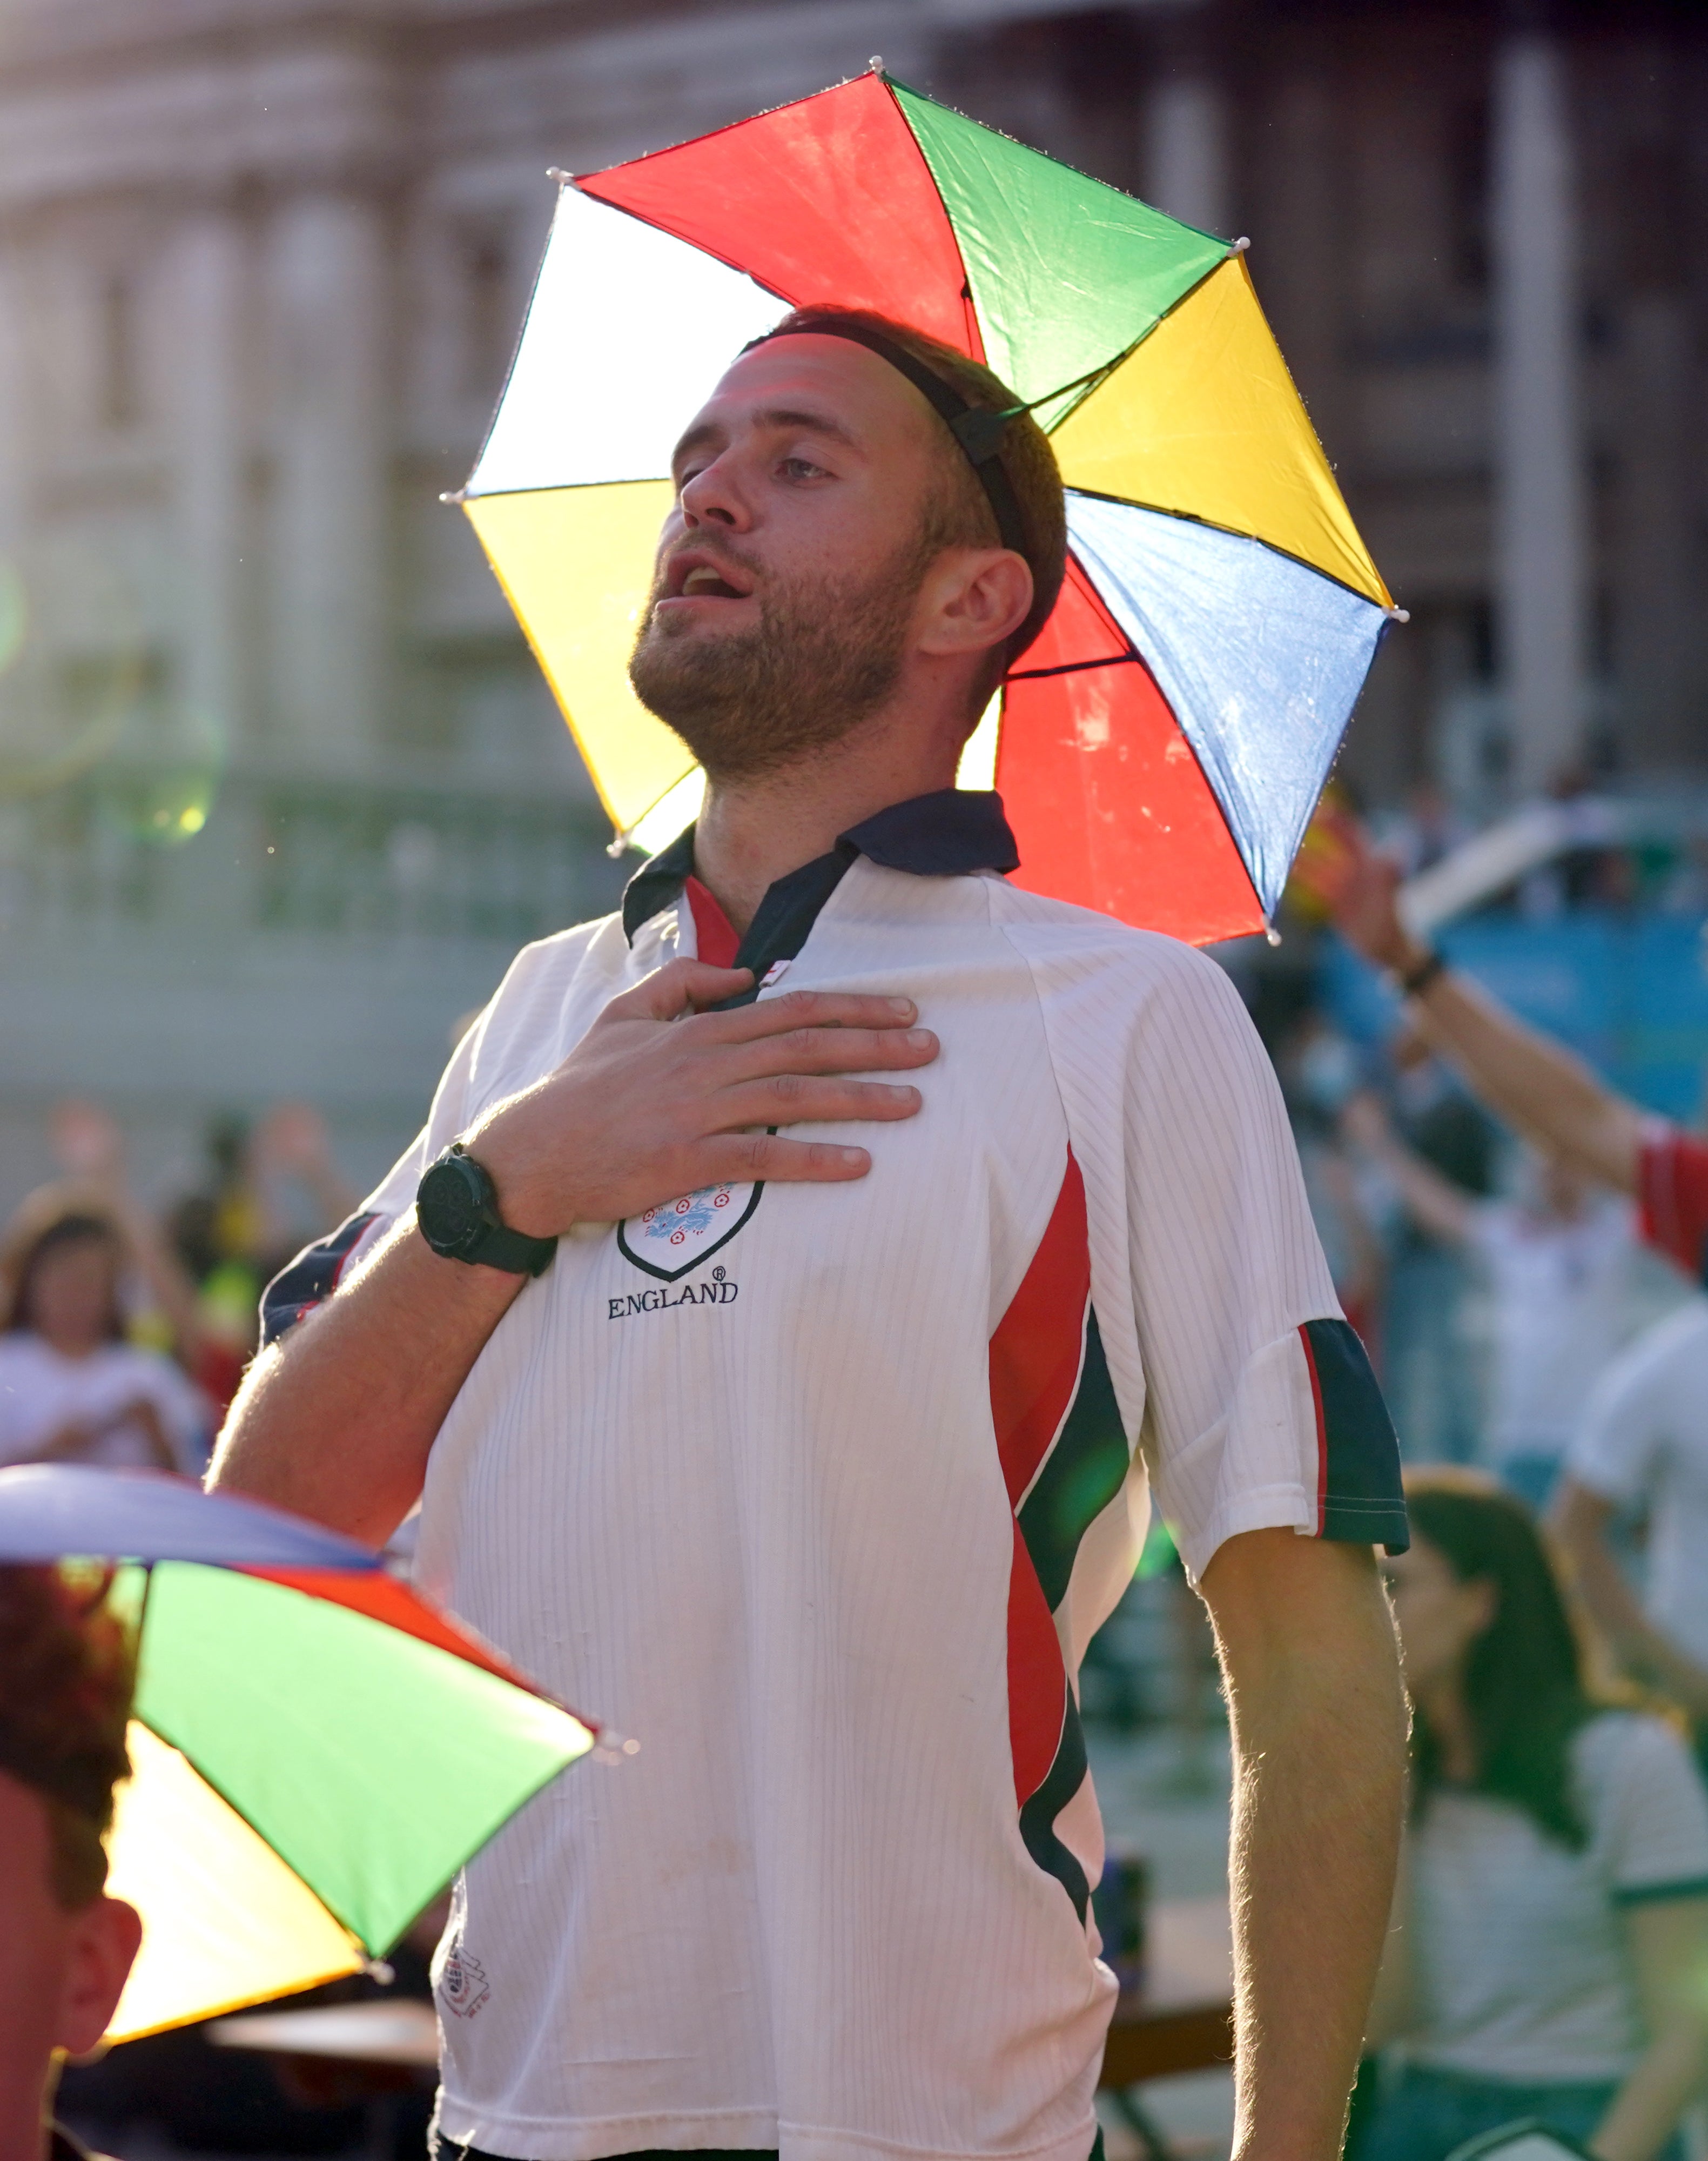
(514, 1252)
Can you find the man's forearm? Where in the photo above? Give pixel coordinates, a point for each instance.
(1318, 1722)
(337, 1421)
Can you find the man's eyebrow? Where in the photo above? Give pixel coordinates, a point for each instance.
(772, 416)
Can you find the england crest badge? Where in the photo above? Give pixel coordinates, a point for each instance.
(677, 1236)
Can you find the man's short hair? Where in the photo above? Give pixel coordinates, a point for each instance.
(961, 516)
(67, 1670)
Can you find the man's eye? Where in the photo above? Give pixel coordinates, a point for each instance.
(802, 469)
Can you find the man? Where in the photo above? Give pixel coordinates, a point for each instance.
(64, 1697)
(1645, 1435)
(808, 1464)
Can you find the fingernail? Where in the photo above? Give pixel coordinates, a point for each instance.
(918, 1038)
(851, 1155)
(901, 1005)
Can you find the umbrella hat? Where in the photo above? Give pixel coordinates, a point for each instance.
(1160, 746)
(315, 1749)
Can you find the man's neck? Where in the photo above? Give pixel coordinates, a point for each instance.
(754, 832)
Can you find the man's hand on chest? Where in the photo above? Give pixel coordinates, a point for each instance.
(661, 1098)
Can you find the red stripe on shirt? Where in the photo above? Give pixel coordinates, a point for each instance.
(1037, 1678)
(715, 939)
(1673, 1193)
(1036, 1351)
(1322, 1434)
(1035, 1356)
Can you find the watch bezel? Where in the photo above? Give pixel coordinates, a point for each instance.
(457, 1164)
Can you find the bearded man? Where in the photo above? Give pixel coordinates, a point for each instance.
(811, 1455)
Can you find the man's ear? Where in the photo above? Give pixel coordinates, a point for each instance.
(106, 1937)
(975, 598)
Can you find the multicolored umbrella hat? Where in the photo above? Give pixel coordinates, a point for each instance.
(1160, 746)
(315, 1750)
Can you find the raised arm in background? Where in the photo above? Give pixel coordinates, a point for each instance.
(1582, 1519)
(1437, 1203)
(88, 1147)
(1534, 1082)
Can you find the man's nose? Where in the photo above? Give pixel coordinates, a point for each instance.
(714, 497)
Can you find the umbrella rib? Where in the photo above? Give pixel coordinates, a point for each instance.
(1075, 667)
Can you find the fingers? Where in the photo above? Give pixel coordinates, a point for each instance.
(829, 1050)
(676, 988)
(733, 1159)
(790, 1099)
(807, 1009)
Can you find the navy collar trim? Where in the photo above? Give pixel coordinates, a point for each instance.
(953, 832)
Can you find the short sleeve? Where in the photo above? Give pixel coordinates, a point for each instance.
(1657, 1828)
(1261, 1407)
(316, 1273)
(1623, 1424)
(1673, 1197)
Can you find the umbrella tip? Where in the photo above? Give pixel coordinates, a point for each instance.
(1399, 615)
(618, 846)
(1242, 244)
(875, 64)
(1272, 934)
(454, 495)
(557, 173)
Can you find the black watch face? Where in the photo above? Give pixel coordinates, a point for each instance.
(448, 1209)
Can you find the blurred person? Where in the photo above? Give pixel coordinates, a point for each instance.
(89, 1148)
(235, 1231)
(1557, 1257)
(1320, 1069)
(841, 1900)
(65, 1676)
(72, 1388)
(1550, 1946)
(1431, 1372)
(1643, 1447)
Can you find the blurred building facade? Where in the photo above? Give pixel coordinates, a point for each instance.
(279, 789)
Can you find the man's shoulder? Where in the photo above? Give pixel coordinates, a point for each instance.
(1072, 947)
(597, 949)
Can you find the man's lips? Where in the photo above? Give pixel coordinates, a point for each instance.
(697, 575)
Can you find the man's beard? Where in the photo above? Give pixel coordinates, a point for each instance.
(826, 654)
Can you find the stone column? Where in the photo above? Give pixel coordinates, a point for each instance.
(1541, 573)
(328, 274)
(208, 371)
(1186, 149)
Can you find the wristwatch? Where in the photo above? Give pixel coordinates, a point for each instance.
(456, 1207)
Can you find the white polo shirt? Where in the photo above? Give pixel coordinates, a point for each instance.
(818, 1493)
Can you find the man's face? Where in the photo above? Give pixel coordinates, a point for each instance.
(61, 1974)
(788, 572)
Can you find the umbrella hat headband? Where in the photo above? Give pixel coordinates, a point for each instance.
(977, 428)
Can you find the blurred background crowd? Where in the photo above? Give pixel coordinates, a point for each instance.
(281, 791)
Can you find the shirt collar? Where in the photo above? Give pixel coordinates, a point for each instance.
(952, 832)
